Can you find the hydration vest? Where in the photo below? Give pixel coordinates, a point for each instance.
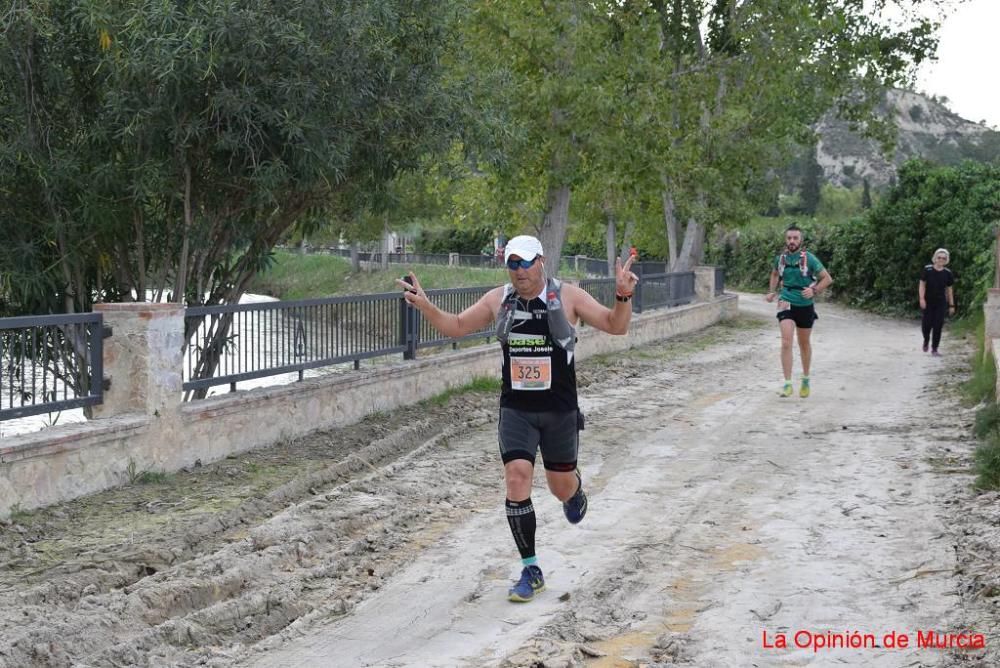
(562, 332)
(803, 264)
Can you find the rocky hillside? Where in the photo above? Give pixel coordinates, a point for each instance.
(927, 129)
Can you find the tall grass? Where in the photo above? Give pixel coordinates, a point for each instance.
(980, 390)
(981, 386)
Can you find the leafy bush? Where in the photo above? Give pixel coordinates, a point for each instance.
(877, 263)
(876, 260)
(748, 254)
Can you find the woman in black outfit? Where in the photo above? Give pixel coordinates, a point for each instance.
(936, 298)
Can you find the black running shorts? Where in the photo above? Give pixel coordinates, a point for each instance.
(522, 433)
(804, 316)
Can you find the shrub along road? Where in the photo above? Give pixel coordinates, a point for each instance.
(723, 519)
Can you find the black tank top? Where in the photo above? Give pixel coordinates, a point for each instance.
(538, 376)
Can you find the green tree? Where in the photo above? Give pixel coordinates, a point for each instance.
(714, 114)
(168, 146)
(628, 105)
(546, 58)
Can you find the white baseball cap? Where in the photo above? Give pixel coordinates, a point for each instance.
(523, 246)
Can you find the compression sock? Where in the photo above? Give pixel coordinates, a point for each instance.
(521, 518)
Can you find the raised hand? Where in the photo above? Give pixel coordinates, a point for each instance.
(625, 280)
(412, 292)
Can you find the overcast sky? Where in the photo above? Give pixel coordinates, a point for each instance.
(967, 70)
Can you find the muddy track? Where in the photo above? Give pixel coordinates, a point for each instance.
(384, 543)
(167, 569)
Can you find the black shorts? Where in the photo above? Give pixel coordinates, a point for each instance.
(522, 433)
(803, 316)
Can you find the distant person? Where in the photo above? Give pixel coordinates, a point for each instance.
(802, 276)
(936, 295)
(536, 320)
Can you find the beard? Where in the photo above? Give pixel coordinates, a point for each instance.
(792, 246)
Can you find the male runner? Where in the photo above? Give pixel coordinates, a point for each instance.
(536, 318)
(802, 277)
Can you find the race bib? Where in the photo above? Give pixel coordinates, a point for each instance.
(530, 373)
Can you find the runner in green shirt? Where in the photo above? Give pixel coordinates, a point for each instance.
(802, 277)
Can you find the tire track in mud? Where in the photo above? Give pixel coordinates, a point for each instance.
(196, 585)
(226, 578)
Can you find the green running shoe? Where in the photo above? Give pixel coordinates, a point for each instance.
(532, 582)
(804, 389)
(786, 391)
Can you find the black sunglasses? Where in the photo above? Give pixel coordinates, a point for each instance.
(514, 265)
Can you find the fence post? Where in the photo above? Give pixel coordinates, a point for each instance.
(704, 283)
(637, 298)
(409, 329)
(405, 314)
(452, 259)
(991, 308)
(143, 358)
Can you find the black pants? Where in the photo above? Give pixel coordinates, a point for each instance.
(932, 323)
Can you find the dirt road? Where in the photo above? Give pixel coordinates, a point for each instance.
(722, 519)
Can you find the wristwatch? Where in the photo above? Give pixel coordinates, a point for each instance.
(622, 298)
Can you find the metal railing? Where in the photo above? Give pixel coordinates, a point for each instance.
(454, 300)
(232, 343)
(229, 344)
(589, 266)
(602, 289)
(50, 363)
(664, 290)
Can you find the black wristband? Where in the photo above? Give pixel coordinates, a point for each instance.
(623, 299)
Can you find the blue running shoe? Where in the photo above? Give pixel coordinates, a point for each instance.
(532, 582)
(576, 507)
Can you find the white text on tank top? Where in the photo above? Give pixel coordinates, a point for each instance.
(530, 354)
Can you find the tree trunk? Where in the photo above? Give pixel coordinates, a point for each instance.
(693, 248)
(609, 241)
(385, 244)
(69, 290)
(140, 256)
(623, 253)
(356, 256)
(229, 292)
(553, 231)
(670, 220)
(180, 282)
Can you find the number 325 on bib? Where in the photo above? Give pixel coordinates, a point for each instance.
(530, 373)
